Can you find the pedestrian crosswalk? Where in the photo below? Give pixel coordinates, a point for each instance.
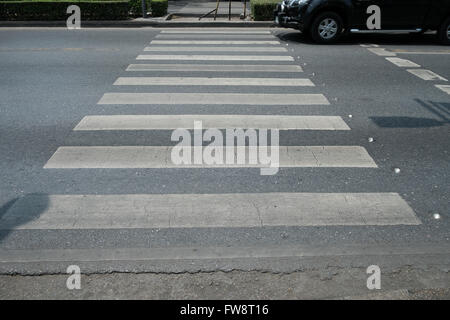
(226, 55)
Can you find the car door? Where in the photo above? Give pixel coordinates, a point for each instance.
(404, 14)
(395, 14)
(359, 12)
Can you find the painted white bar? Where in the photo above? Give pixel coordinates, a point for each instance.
(369, 45)
(205, 81)
(426, 74)
(206, 31)
(381, 52)
(403, 63)
(229, 42)
(207, 211)
(219, 36)
(214, 98)
(212, 57)
(110, 157)
(167, 122)
(446, 52)
(445, 88)
(214, 49)
(214, 68)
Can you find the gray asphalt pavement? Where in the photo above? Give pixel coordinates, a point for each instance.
(52, 78)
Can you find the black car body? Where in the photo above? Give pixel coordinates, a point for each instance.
(352, 16)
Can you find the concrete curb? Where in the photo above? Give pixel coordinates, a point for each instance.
(141, 23)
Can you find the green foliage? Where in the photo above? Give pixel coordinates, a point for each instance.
(56, 10)
(262, 10)
(136, 7)
(159, 7)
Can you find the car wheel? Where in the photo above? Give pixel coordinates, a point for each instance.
(444, 32)
(326, 28)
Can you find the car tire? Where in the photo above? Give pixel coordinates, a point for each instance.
(444, 32)
(326, 28)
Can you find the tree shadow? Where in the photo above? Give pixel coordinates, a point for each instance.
(20, 211)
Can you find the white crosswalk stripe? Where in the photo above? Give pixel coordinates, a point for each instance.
(426, 75)
(214, 99)
(228, 42)
(214, 68)
(197, 81)
(403, 62)
(214, 49)
(159, 122)
(210, 31)
(212, 57)
(215, 36)
(210, 210)
(445, 88)
(382, 52)
(74, 157)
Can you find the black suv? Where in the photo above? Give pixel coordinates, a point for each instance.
(327, 20)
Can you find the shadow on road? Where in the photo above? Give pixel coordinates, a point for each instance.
(406, 122)
(440, 109)
(427, 39)
(20, 211)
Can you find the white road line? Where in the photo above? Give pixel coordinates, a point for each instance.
(222, 36)
(422, 52)
(403, 63)
(215, 31)
(207, 211)
(445, 88)
(214, 49)
(369, 45)
(167, 122)
(214, 68)
(214, 99)
(107, 157)
(229, 42)
(212, 57)
(426, 75)
(381, 52)
(204, 81)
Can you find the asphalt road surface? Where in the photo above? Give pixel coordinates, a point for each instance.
(85, 138)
